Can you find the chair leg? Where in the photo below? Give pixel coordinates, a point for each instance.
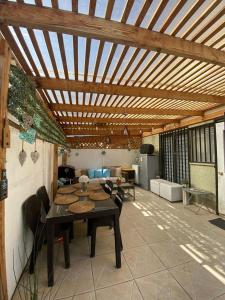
(121, 243)
(88, 227)
(32, 261)
(93, 241)
(71, 234)
(66, 248)
(36, 248)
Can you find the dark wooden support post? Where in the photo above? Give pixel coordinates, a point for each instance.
(5, 58)
(55, 170)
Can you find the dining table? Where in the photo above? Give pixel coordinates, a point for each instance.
(60, 214)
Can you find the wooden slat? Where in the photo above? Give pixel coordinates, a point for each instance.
(123, 110)
(95, 138)
(114, 127)
(115, 120)
(55, 171)
(71, 23)
(112, 89)
(5, 58)
(102, 132)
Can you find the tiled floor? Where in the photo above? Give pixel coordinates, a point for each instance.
(170, 253)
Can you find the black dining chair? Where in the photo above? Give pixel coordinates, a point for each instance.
(108, 187)
(102, 222)
(44, 198)
(33, 212)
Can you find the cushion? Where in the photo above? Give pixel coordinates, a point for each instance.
(118, 172)
(113, 171)
(91, 173)
(83, 172)
(98, 173)
(106, 173)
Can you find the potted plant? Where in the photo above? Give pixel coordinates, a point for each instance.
(119, 180)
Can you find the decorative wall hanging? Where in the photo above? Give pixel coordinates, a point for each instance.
(22, 156)
(34, 155)
(29, 110)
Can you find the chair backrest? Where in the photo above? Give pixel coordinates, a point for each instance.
(119, 201)
(32, 212)
(42, 196)
(121, 191)
(108, 187)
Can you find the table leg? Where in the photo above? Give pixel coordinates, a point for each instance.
(50, 253)
(117, 241)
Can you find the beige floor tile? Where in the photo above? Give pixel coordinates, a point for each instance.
(104, 244)
(78, 279)
(124, 291)
(86, 296)
(222, 297)
(154, 234)
(170, 253)
(79, 249)
(132, 239)
(105, 273)
(142, 261)
(199, 282)
(161, 286)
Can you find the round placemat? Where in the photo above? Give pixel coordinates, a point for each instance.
(65, 199)
(81, 207)
(66, 190)
(99, 196)
(94, 188)
(81, 193)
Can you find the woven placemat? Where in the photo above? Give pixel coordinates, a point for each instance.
(99, 196)
(66, 190)
(65, 199)
(81, 193)
(94, 188)
(81, 207)
(90, 186)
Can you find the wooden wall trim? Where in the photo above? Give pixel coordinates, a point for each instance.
(5, 58)
(55, 171)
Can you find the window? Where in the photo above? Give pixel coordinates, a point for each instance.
(202, 144)
(174, 155)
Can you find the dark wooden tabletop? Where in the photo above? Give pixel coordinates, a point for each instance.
(60, 213)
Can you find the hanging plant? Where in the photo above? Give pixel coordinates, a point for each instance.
(28, 109)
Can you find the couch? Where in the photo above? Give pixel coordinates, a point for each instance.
(100, 175)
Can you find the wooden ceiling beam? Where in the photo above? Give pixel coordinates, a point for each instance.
(102, 132)
(103, 139)
(116, 32)
(124, 110)
(116, 120)
(113, 89)
(113, 127)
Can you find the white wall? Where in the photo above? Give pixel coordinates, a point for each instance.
(92, 158)
(23, 182)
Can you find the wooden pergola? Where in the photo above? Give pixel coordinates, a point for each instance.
(103, 66)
